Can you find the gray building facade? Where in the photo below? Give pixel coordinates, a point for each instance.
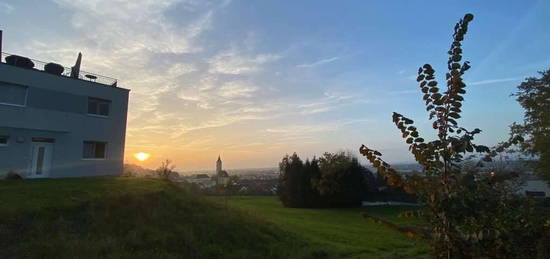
(58, 126)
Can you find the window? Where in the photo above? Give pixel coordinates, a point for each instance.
(13, 94)
(94, 150)
(98, 106)
(4, 140)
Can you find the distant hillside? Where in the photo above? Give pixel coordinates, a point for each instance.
(131, 218)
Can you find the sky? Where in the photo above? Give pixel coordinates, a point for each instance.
(255, 80)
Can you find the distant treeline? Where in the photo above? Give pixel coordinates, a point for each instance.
(333, 180)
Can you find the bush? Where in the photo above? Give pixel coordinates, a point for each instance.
(12, 175)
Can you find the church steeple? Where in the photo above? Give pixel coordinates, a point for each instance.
(218, 165)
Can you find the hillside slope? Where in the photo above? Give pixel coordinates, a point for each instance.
(131, 218)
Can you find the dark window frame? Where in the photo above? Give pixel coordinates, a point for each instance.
(6, 142)
(95, 153)
(95, 106)
(25, 99)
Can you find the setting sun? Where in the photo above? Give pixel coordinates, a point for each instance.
(141, 156)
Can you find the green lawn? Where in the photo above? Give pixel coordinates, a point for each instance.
(131, 218)
(148, 218)
(342, 231)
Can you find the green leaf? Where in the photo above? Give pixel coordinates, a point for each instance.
(456, 58)
(436, 96)
(455, 109)
(454, 115)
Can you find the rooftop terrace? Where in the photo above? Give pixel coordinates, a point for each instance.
(65, 72)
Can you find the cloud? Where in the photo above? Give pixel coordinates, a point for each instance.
(232, 62)
(329, 101)
(404, 92)
(6, 8)
(176, 85)
(237, 89)
(319, 62)
(189, 92)
(314, 131)
(493, 81)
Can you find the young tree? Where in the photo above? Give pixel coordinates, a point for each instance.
(534, 96)
(471, 215)
(166, 169)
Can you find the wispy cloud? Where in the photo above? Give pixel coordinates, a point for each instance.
(494, 81)
(329, 101)
(404, 92)
(139, 44)
(313, 131)
(6, 8)
(232, 62)
(319, 62)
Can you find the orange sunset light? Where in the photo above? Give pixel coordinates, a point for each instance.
(141, 156)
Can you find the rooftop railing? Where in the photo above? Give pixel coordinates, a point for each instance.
(83, 75)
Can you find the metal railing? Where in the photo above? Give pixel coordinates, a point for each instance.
(83, 75)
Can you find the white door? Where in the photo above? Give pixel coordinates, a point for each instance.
(41, 159)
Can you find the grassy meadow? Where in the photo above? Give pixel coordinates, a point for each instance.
(130, 218)
(344, 232)
(149, 218)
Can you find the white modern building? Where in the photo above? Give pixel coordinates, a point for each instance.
(59, 122)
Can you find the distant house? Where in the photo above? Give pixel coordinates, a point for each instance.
(59, 122)
(534, 186)
(202, 180)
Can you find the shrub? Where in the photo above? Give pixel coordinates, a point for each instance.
(12, 175)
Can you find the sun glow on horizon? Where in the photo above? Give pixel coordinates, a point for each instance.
(141, 156)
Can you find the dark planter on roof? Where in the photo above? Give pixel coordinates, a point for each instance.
(19, 61)
(54, 68)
